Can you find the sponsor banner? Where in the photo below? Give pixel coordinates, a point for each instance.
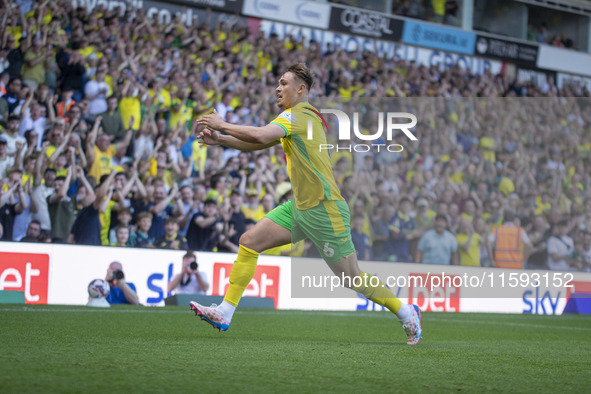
(231, 6)
(26, 272)
(537, 78)
(189, 15)
(509, 51)
(265, 282)
(188, 10)
(576, 81)
(438, 37)
(306, 13)
(365, 23)
(391, 50)
(56, 274)
(564, 60)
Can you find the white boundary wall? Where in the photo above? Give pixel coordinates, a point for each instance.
(59, 274)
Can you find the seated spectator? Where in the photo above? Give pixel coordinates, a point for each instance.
(438, 246)
(123, 220)
(121, 236)
(33, 232)
(205, 228)
(172, 239)
(360, 239)
(561, 249)
(141, 238)
(402, 231)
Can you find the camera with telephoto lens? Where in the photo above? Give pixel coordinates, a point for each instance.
(193, 266)
(117, 275)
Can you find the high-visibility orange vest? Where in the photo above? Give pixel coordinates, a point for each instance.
(509, 247)
(62, 109)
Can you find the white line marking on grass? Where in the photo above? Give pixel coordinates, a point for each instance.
(369, 314)
(502, 323)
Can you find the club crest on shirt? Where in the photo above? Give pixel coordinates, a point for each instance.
(288, 116)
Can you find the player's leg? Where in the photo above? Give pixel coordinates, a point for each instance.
(271, 231)
(328, 226)
(266, 234)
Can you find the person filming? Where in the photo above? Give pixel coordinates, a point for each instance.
(122, 292)
(189, 280)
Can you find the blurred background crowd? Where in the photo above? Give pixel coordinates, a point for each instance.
(98, 142)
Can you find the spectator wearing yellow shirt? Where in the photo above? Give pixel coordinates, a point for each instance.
(424, 216)
(100, 151)
(468, 244)
(130, 105)
(469, 210)
(254, 209)
(493, 216)
(487, 146)
(34, 64)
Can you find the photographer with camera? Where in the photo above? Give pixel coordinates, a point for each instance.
(190, 280)
(121, 292)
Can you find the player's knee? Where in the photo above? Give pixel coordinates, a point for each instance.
(247, 240)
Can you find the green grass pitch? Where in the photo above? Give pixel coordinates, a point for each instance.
(137, 349)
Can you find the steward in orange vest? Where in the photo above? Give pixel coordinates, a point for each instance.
(511, 244)
(64, 106)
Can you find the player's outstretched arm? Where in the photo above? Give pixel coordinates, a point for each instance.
(213, 137)
(255, 135)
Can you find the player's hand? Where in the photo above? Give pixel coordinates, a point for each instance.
(212, 121)
(209, 137)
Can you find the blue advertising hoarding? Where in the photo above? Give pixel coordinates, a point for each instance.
(438, 37)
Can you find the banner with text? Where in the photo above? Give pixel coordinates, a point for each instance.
(392, 50)
(365, 23)
(55, 274)
(509, 51)
(306, 13)
(438, 37)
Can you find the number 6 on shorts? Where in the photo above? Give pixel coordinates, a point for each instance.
(327, 250)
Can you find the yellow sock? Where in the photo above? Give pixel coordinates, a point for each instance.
(242, 272)
(373, 289)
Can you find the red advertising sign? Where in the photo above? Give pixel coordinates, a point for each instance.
(27, 272)
(434, 293)
(265, 282)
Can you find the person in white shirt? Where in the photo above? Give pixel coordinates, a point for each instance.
(97, 91)
(11, 135)
(561, 248)
(34, 120)
(223, 106)
(189, 280)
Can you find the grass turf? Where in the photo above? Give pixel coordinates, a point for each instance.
(137, 349)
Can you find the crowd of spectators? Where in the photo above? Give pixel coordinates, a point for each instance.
(98, 142)
(438, 11)
(543, 35)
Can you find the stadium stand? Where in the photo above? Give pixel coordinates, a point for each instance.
(63, 144)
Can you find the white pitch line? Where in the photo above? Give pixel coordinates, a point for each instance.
(369, 314)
